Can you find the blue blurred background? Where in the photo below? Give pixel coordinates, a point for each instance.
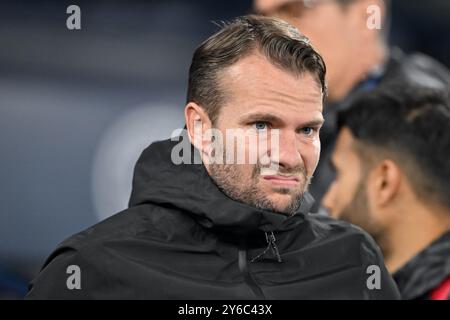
(78, 107)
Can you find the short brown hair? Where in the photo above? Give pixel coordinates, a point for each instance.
(281, 43)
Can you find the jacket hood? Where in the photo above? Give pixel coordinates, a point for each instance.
(189, 188)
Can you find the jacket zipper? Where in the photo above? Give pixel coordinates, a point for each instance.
(243, 267)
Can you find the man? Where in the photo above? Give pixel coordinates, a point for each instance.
(351, 35)
(229, 230)
(393, 180)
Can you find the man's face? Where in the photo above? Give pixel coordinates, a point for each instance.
(329, 26)
(263, 99)
(346, 198)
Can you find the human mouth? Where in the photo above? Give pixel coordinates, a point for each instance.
(289, 181)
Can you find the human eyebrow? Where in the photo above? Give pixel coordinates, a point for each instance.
(260, 117)
(313, 123)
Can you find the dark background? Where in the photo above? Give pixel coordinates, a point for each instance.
(78, 107)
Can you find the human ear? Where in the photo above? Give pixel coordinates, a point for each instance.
(385, 182)
(197, 124)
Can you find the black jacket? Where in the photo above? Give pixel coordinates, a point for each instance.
(182, 238)
(427, 275)
(414, 69)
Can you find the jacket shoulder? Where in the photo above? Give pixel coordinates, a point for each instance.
(348, 237)
(96, 254)
(417, 69)
(145, 220)
(334, 227)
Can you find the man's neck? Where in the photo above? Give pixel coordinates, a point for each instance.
(417, 228)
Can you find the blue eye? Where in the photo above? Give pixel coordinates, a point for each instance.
(260, 125)
(308, 131)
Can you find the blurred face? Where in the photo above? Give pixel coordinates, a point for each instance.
(330, 27)
(263, 99)
(347, 197)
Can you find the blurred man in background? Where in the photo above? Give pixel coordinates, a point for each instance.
(358, 58)
(393, 180)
